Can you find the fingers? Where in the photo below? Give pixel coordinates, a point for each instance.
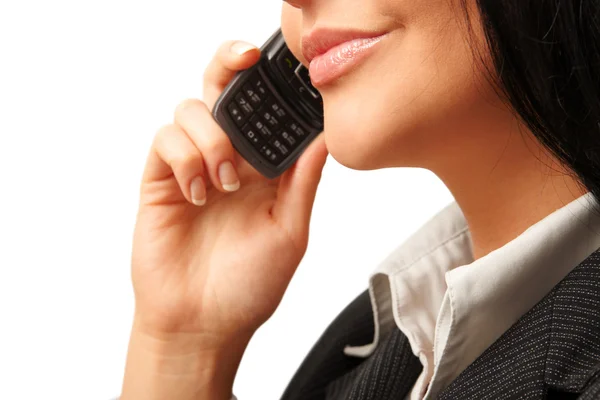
(196, 152)
(232, 56)
(174, 154)
(297, 190)
(194, 117)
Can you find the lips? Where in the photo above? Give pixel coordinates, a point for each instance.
(320, 40)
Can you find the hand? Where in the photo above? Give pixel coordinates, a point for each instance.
(210, 258)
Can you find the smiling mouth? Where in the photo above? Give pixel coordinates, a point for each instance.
(340, 59)
(321, 40)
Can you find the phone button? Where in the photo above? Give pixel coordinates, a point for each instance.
(257, 123)
(296, 129)
(304, 91)
(260, 88)
(270, 154)
(287, 63)
(252, 94)
(303, 75)
(315, 103)
(288, 137)
(269, 118)
(276, 107)
(236, 114)
(276, 142)
(252, 136)
(243, 104)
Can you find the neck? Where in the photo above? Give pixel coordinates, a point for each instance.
(504, 183)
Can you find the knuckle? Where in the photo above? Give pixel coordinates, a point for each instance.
(167, 129)
(164, 132)
(213, 74)
(226, 45)
(223, 50)
(187, 159)
(187, 106)
(173, 150)
(216, 146)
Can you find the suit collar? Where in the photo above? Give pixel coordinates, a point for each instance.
(554, 346)
(450, 307)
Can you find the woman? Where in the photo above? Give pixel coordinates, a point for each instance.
(496, 297)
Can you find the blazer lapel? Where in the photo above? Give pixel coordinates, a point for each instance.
(553, 351)
(387, 374)
(326, 361)
(327, 373)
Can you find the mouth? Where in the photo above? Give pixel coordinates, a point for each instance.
(332, 52)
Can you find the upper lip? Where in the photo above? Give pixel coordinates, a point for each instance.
(321, 40)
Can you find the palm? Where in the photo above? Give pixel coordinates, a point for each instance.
(223, 266)
(216, 257)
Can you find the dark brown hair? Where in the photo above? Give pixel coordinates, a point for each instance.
(546, 62)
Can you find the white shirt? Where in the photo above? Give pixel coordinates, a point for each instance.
(450, 307)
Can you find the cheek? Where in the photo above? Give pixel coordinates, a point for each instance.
(395, 109)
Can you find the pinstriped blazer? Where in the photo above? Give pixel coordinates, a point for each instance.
(551, 352)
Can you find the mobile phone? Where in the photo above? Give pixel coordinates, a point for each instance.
(271, 111)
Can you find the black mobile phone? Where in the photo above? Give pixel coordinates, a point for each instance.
(271, 111)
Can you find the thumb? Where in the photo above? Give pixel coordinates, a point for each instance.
(297, 190)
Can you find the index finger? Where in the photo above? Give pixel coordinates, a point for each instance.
(231, 56)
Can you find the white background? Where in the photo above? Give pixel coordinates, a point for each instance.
(84, 85)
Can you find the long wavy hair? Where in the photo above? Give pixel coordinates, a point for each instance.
(546, 65)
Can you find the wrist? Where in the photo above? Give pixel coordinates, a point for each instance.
(181, 365)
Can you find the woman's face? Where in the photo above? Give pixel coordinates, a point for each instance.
(418, 94)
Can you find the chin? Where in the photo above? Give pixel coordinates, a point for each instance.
(360, 144)
(344, 134)
(355, 130)
(350, 148)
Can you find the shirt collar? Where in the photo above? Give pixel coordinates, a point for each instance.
(450, 307)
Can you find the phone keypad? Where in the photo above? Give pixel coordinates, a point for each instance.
(268, 116)
(236, 114)
(243, 104)
(288, 138)
(252, 136)
(251, 93)
(296, 129)
(276, 108)
(265, 123)
(260, 86)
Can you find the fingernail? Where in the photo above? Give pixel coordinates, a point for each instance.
(240, 48)
(198, 191)
(228, 176)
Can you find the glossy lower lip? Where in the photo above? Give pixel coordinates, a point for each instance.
(340, 59)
